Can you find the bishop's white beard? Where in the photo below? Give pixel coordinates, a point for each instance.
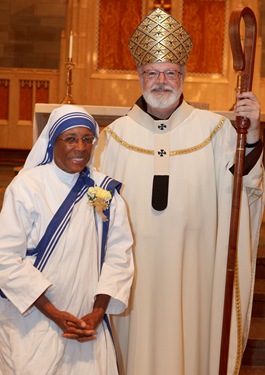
(161, 99)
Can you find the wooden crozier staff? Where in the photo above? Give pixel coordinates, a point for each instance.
(244, 62)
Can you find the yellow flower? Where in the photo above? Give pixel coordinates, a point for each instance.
(100, 199)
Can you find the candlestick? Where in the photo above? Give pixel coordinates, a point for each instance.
(70, 55)
(68, 99)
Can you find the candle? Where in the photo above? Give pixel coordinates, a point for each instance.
(70, 55)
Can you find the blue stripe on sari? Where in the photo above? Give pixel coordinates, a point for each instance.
(60, 220)
(108, 184)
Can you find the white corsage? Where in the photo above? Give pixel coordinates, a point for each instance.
(100, 199)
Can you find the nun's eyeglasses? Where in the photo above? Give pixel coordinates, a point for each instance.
(72, 141)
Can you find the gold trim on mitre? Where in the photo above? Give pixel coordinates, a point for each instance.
(160, 38)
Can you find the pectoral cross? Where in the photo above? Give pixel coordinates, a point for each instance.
(163, 4)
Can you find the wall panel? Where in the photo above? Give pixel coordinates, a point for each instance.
(205, 22)
(115, 27)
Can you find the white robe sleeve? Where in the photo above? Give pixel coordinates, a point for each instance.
(20, 281)
(117, 270)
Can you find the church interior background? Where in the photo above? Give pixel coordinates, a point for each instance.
(35, 45)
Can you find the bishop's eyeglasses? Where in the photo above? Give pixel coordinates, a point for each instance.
(72, 141)
(171, 75)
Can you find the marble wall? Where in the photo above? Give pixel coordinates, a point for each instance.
(30, 33)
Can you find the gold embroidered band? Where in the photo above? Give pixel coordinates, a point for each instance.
(172, 153)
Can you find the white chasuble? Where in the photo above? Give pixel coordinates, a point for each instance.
(173, 324)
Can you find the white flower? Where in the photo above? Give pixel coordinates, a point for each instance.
(100, 199)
